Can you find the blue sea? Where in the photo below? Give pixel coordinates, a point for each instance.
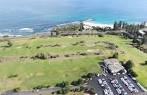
(20, 17)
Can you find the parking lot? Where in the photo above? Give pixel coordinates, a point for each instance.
(120, 84)
(114, 85)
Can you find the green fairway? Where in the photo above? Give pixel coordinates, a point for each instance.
(31, 73)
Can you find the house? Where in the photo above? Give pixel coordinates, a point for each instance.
(141, 32)
(114, 66)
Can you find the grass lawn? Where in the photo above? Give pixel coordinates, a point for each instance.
(31, 73)
(49, 72)
(46, 72)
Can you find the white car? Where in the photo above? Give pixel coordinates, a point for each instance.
(100, 81)
(118, 91)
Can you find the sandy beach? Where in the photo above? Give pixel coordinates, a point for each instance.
(95, 24)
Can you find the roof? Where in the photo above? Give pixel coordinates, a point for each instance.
(144, 29)
(113, 65)
(142, 32)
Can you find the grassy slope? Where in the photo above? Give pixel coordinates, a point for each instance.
(33, 73)
(39, 72)
(19, 47)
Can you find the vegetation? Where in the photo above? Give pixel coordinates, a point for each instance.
(78, 82)
(32, 73)
(68, 28)
(9, 43)
(81, 27)
(128, 66)
(16, 89)
(145, 63)
(129, 27)
(13, 76)
(41, 86)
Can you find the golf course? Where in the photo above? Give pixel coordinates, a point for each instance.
(33, 61)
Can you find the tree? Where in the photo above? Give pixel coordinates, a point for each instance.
(129, 64)
(62, 85)
(81, 27)
(142, 25)
(120, 24)
(124, 25)
(115, 27)
(133, 73)
(145, 63)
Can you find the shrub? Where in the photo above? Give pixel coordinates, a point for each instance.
(16, 89)
(40, 56)
(77, 83)
(133, 73)
(62, 84)
(101, 35)
(89, 75)
(9, 43)
(13, 76)
(63, 91)
(41, 86)
(82, 88)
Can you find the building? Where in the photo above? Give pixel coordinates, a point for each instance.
(141, 32)
(114, 66)
(143, 35)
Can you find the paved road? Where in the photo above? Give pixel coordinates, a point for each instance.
(39, 92)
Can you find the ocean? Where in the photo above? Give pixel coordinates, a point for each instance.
(25, 17)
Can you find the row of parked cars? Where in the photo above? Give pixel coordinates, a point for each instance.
(107, 90)
(120, 90)
(129, 84)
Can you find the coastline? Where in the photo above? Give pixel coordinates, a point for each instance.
(88, 22)
(96, 24)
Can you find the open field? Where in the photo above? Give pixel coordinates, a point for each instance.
(31, 73)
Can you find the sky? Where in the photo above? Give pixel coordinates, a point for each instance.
(23, 11)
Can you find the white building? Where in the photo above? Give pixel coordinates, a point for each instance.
(114, 66)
